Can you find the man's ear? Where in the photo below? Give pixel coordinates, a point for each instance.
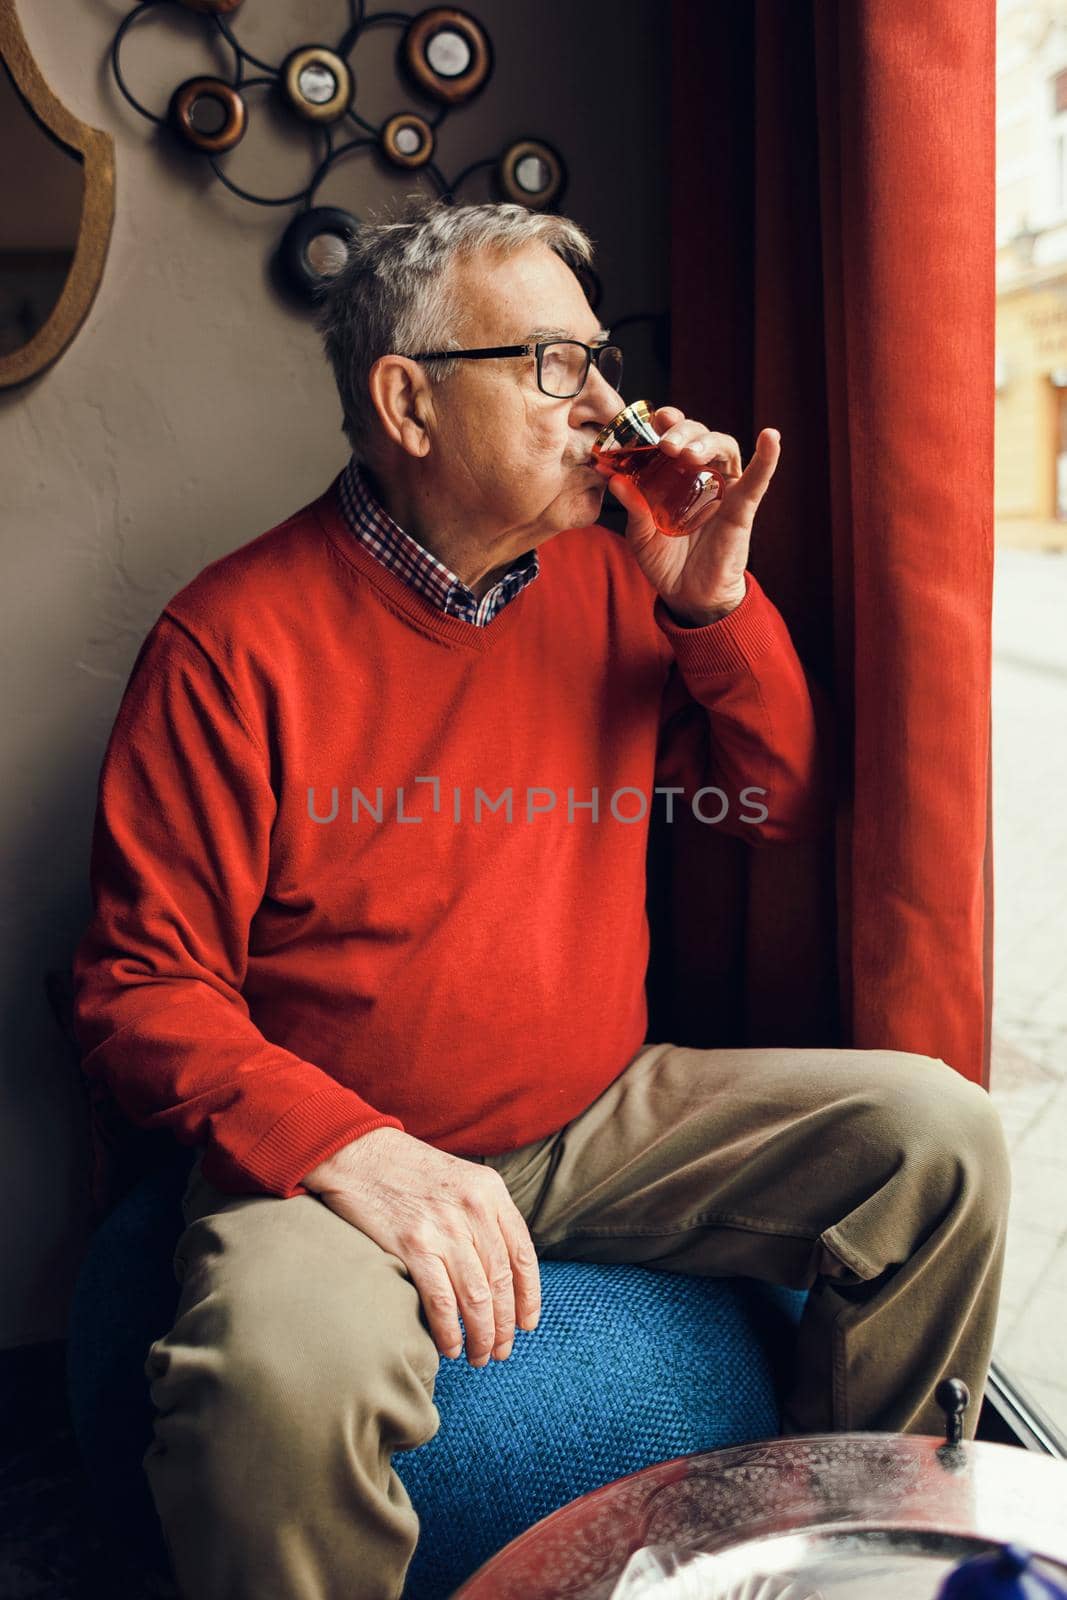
(401, 395)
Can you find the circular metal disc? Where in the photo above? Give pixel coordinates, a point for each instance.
(447, 54)
(208, 114)
(317, 83)
(532, 174)
(407, 140)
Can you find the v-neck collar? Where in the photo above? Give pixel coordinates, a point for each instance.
(401, 596)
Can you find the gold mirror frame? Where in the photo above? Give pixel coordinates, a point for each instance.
(96, 151)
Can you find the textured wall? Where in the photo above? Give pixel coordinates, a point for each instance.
(192, 412)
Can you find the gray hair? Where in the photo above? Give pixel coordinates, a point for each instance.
(393, 294)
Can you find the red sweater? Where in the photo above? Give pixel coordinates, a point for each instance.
(271, 971)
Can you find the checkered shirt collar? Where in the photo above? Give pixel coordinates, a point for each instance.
(372, 525)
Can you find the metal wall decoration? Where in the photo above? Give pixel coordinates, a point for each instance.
(443, 52)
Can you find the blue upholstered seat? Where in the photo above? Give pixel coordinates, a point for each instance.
(628, 1366)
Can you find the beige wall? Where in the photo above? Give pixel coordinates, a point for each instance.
(192, 412)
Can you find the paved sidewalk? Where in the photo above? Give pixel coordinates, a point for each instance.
(1029, 1069)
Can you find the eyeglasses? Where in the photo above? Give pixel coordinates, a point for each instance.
(562, 364)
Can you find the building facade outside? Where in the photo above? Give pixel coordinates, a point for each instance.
(1031, 365)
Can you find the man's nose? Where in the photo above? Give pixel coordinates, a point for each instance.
(598, 401)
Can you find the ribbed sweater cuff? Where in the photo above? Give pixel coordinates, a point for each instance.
(732, 643)
(308, 1133)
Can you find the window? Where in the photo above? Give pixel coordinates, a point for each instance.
(1029, 1069)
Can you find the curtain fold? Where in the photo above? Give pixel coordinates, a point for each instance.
(833, 188)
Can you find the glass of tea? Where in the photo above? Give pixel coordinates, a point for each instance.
(674, 493)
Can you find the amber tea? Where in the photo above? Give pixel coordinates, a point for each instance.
(673, 492)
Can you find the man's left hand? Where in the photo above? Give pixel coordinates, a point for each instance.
(700, 576)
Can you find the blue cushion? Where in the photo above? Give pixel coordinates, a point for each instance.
(628, 1366)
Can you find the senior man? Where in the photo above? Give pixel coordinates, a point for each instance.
(370, 932)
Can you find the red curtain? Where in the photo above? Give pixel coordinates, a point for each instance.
(833, 276)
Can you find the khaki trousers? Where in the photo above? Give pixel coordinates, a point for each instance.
(299, 1360)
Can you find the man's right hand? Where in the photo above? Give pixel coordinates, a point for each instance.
(454, 1226)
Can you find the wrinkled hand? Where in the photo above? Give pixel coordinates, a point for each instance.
(701, 575)
(455, 1227)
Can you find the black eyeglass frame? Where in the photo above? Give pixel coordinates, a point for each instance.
(593, 355)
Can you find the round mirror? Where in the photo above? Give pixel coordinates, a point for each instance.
(56, 206)
(317, 83)
(208, 116)
(327, 254)
(532, 174)
(448, 53)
